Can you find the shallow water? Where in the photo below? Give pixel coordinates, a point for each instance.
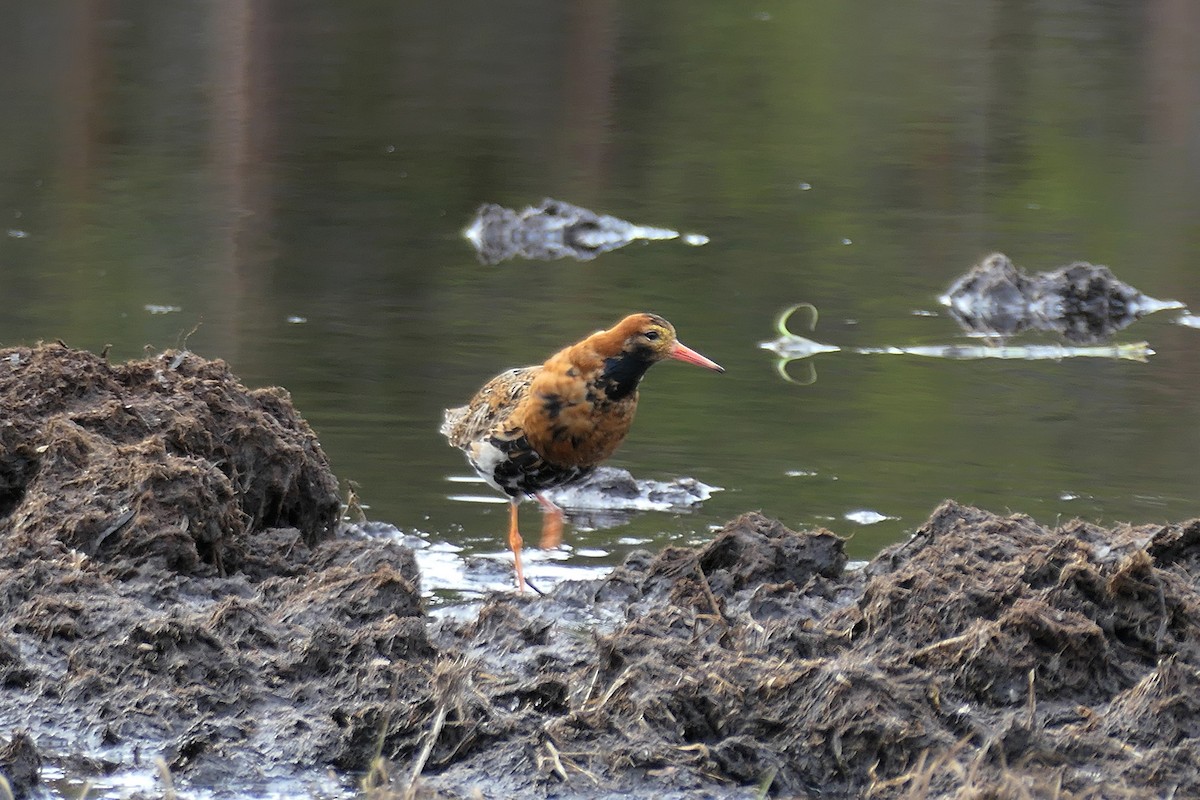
(286, 188)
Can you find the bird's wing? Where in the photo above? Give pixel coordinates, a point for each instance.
(490, 406)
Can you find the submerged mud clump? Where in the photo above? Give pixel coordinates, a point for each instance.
(611, 496)
(171, 586)
(1081, 302)
(551, 230)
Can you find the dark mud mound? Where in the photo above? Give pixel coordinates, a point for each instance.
(168, 458)
(988, 656)
(1081, 302)
(171, 582)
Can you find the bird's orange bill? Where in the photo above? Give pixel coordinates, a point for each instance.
(682, 352)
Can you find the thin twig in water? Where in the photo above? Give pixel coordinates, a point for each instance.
(1031, 706)
(435, 731)
(712, 598)
(353, 504)
(164, 774)
(591, 776)
(377, 780)
(1162, 624)
(378, 773)
(764, 785)
(953, 641)
(591, 686)
(617, 684)
(556, 761)
(184, 344)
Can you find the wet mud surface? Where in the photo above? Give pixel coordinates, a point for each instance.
(174, 584)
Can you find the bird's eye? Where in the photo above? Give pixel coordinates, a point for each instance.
(652, 335)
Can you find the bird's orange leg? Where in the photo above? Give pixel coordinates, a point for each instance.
(552, 523)
(514, 541)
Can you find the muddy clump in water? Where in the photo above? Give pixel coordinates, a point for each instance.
(551, 230)
(1081, 302)
(247, 642)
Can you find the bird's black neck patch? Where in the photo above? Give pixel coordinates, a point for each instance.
(623, 372)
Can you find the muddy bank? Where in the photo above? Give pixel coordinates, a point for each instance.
(171, 581)
(987, 652)
(172, 584)
(166, 460)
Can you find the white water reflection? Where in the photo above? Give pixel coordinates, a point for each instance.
(792, 347)
(866, 516)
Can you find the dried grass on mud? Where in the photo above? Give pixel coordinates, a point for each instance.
(171, 581)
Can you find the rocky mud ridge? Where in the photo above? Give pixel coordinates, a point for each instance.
(173, 583)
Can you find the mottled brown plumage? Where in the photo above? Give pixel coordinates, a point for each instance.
(534, 428)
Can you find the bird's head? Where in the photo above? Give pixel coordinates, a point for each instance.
(648, 339)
